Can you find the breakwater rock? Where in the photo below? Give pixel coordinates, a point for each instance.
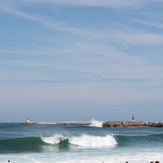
(118, 124)
(58, 122)
(125, 124)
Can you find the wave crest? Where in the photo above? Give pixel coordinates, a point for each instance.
(84, 140)
(93, 141)
(56, 139)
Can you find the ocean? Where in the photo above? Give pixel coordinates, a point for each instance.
(25, 143)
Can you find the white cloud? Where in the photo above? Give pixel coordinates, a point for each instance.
(96, 58)
(12, 9)
(90, 62)
(151, 22)
(138, 38)
(98, 3)
(124, 37)
(97, 93)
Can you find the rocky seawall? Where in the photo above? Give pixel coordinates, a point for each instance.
(58, 122)
(109, 124)
(125, 124)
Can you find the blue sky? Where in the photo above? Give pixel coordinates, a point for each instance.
(77, 60)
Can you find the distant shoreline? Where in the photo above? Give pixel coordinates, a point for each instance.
(108, 124)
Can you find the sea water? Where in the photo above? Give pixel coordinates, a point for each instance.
(25, 143)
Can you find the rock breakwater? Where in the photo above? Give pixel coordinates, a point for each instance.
(58, 122)
(109, 124)
(125, 124)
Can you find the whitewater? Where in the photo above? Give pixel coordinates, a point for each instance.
(79, 143)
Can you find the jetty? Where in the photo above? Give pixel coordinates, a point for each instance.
(108, 124)
(58, 122)
(125, 124)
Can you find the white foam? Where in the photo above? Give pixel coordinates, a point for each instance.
(95, 123)
(93, 141)
(84, 140)
(87, 156)
(54, 139)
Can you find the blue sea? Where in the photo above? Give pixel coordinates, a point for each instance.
(25, 143)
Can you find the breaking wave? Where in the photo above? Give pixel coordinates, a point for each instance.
(61, 142)
(39, 144)
(84, 140)
(56, 139)
(93, 141)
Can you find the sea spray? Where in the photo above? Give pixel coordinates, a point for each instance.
(95, 123)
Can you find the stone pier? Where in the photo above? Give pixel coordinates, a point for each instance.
(125, 124)
(109, 124)
(58, 122)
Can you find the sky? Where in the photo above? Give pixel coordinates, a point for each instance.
(68, 60)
